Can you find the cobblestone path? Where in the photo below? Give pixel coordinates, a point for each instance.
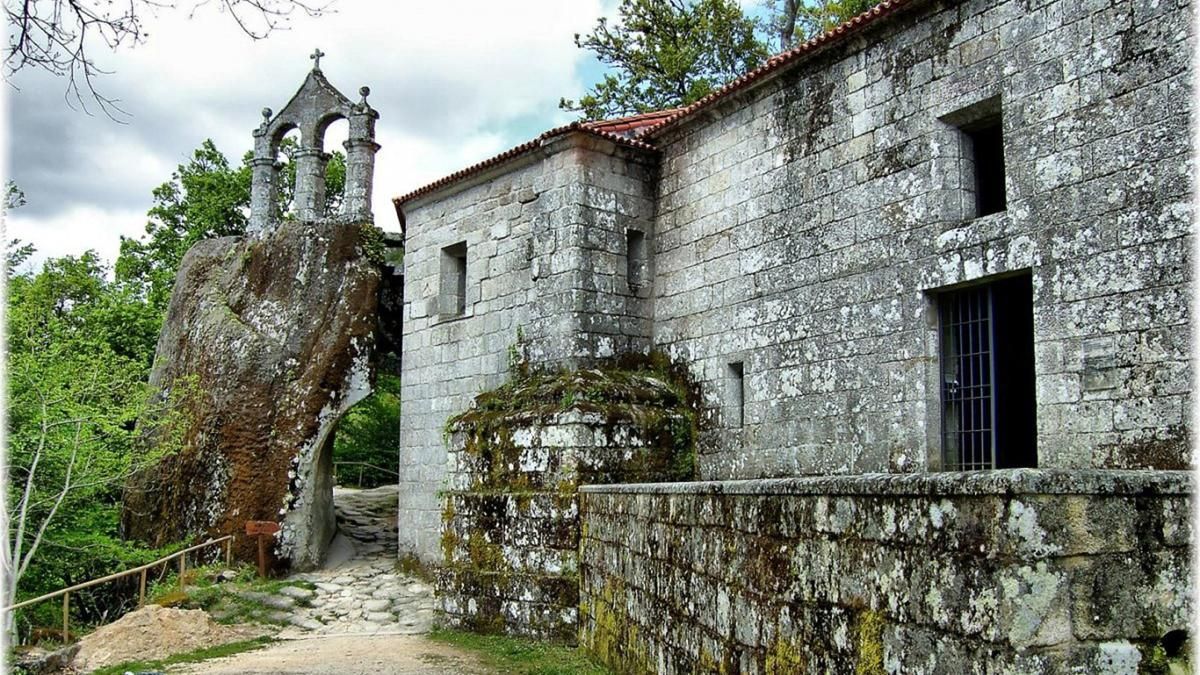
(359, 591)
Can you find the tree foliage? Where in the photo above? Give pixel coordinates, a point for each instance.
(370, 433)
(794, 21)
(667, 53)
(206, 197)
(60, 36)
(79, 347)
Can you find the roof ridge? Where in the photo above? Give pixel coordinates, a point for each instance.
(670, 116)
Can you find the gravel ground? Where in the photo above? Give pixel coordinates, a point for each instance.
(344, 655)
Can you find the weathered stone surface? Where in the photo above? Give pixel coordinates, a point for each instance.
(510, 528)
(803, 228)
(276, 333)
(920, 574)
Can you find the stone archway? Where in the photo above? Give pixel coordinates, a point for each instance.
(274, 332)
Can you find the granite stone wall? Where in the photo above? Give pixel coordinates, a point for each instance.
(804, 227)
(1013, 571)
(510, 520)
(801, 234)
(541, 268)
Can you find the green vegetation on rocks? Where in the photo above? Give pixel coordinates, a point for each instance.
(648, 394)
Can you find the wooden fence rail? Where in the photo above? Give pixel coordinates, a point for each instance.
(361, 466)
(66, 592)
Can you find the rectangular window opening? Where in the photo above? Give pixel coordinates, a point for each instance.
(987, 376)
(986, 141)
(979, 134)
(637, 258)
(453, 286)
(737, 394)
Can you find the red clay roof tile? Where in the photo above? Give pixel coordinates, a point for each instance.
(780, 60)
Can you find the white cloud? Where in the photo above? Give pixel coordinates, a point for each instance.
(454, 83)
(76, 230)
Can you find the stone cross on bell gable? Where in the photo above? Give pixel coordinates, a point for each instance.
(311, 110)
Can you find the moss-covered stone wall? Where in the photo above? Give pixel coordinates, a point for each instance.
(1002, 572)
(510, 521)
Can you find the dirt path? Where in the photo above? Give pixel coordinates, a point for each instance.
(344, 655)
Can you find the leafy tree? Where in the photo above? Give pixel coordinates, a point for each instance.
(206, 197)
(14, 197)
(59, 36)
(667, 53)
(370, 433)
(15, 253)
(77, 360)
(794, 21)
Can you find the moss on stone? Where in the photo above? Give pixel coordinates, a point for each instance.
(614, 639)
(784, 658)
(449, 537)
(645, 410)
(647, 394)
(374, 247)
(869, 630)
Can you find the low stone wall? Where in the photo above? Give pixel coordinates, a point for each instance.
(1007, 571)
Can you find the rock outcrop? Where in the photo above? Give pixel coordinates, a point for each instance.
(275, 331)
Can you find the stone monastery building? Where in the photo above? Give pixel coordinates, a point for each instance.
(946, 241)
(875, 360)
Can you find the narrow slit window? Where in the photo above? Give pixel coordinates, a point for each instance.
(988, 392)
(637, 258)
(453, 286)
(737, 394)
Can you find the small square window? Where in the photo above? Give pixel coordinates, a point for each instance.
(988, 402)
(452, 289)
(979, 132)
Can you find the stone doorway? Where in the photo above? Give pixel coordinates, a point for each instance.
(361, 459)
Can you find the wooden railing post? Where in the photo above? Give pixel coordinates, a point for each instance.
(228, 551)
(143, 570)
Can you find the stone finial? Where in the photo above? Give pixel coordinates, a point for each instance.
(316, 58)
(364, 92)
(266, 121)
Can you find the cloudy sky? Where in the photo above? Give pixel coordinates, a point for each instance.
(455, 81)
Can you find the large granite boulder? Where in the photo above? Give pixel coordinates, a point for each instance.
(275, 331)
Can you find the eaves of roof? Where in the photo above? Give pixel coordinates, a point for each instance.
(512, 153)
(633, 123)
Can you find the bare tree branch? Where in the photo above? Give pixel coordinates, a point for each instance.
(58, 36)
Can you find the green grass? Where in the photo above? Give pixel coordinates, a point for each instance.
(220, 600)
(188, 657)
(520, 656)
